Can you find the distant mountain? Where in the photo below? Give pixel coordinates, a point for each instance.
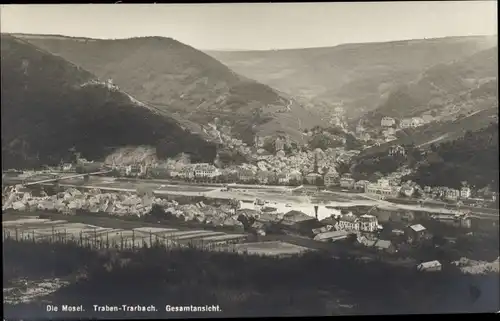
(187, 83)
(459, 83)
(50, 106)
(359, 75)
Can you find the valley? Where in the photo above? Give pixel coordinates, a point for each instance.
(344, 161)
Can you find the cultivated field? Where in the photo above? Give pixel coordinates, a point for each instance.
(37, 230)
(276, 248)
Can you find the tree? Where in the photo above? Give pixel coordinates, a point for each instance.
(438, 240)
(157, 212)
(352, 143)
(343, 167)
(269, 146)
(246, 221)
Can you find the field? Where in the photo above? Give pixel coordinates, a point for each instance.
(37, 230)
(271, 248)
(42, 229)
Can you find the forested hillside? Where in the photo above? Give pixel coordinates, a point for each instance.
(50, 106)
(182, 80)
(472, 158)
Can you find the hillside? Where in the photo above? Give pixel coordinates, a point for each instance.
(457, 84)
(185, 82)
(242, 285)
(50, 105)
(360, 75)
(440, 131)
(472, 158)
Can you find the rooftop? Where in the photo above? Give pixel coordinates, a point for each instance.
(418, 227)
(383, 244)
(349, 217)
(296, 216)
(430, 264)
(331, 234)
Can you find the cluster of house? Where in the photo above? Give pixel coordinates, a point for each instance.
(447, 193)
(72, 200)
(107, 84)
(412, 122)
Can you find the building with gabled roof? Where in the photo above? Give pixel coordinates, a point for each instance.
(430, 266)
(385, 245)
(348, 222)
(331, 236)
(416, 233)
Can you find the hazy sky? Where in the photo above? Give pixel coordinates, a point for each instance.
(258, 26)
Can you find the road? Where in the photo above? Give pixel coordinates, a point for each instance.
(277, 195)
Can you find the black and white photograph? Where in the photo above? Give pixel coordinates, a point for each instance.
(230, 160)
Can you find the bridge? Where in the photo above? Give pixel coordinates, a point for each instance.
(59, 178)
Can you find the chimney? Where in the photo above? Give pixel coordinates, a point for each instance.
(316, 211)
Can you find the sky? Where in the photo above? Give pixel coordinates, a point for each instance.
(257, 26)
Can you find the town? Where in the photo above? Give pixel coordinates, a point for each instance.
(172, 162)
(291, 204)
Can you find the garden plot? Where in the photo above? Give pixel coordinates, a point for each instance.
(98, 231)
(24, 221)
(154, 230)
(56, 222)
(198, 235)
(130, 239)
(137, 243)
(172, 235)
(78, 225)
(270, 248)
(223, 238)
(123, 234)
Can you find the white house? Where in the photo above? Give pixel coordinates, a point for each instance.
(397, 150)
(331, 178)
(186, 172)
(295, 175)
(368, 223)
(452, 194)
(206, 170)
(348, 222)
(416, 122)
(465, 192)
(431, 266)
(407, 190)
(389, 132)
(383, 182)
(67, 167)
(405, 123)
(284, 177)
(382, 190)
(387, 122)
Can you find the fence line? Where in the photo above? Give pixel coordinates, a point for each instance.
(103, 241)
